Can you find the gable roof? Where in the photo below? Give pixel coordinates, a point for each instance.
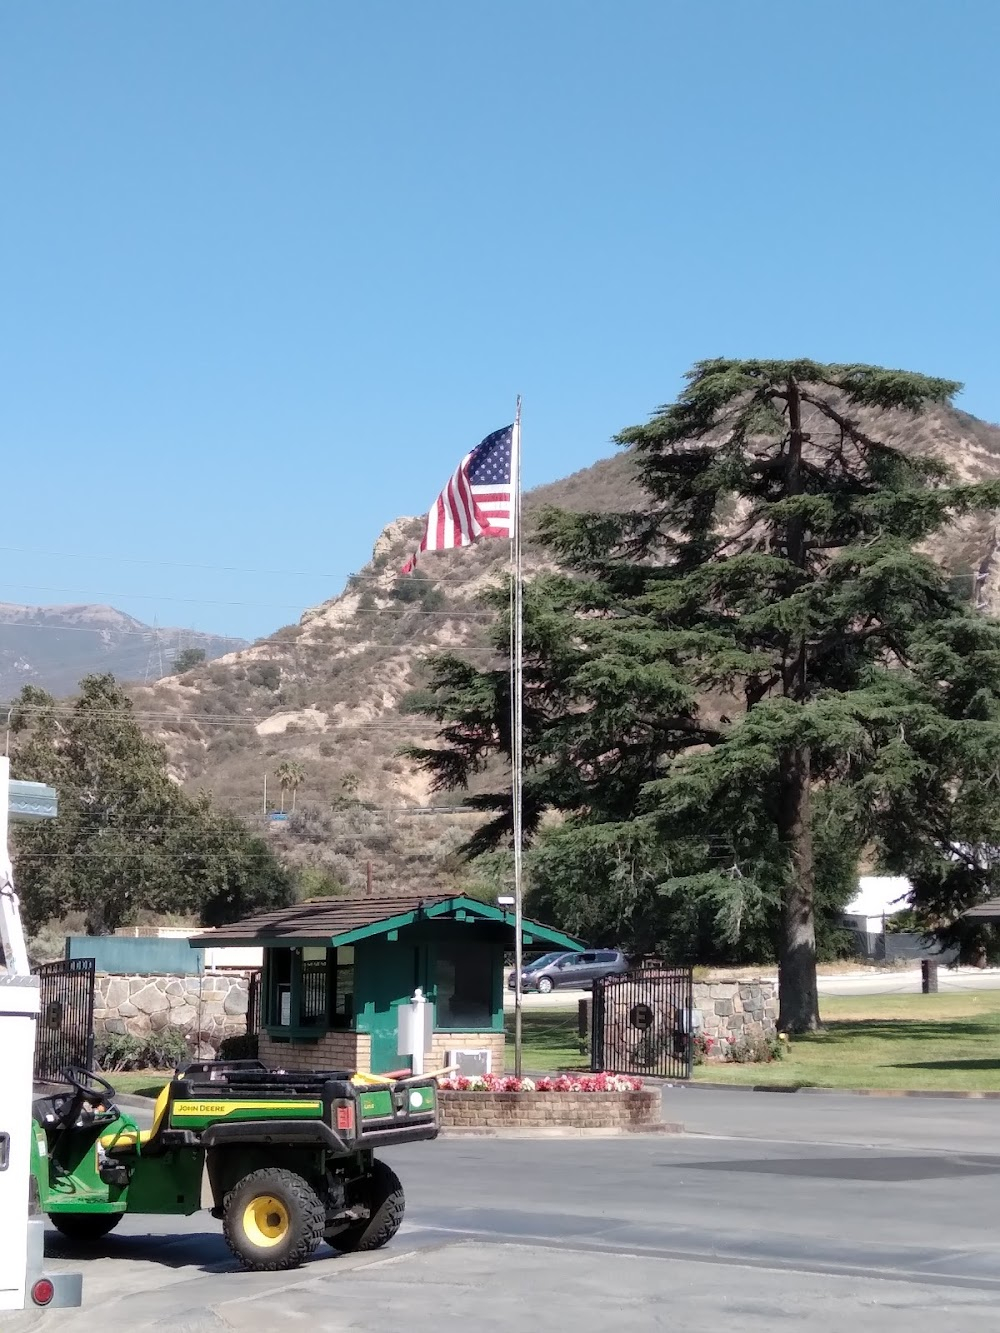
(988, 911)
(338, 921)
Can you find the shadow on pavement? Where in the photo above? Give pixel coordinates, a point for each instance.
(205, 1250)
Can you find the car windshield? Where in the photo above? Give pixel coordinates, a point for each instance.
(544, 961)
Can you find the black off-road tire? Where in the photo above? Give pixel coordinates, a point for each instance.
(384, 1196)
(85, 1228)
(298, 1229)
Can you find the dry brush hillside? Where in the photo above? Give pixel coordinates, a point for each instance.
(332, 692)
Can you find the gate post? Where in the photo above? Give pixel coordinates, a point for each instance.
(597, 1027)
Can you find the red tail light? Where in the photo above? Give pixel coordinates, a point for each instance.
(345, 1116)
(43, 1291)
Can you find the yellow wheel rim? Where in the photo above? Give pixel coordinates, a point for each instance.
(265, 1221)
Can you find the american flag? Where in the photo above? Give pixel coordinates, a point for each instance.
(477, 501)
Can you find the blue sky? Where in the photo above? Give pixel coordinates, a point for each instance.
(269, 269)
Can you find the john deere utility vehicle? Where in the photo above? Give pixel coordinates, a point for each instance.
(285, 1160)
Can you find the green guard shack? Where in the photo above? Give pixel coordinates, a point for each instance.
(337, 969)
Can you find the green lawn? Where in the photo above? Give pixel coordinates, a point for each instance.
(929, 1043)
(142, 1083)
(550, 1041)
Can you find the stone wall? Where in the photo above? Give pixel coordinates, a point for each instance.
(205, 1009)
(748, 1007)
(550, 1110)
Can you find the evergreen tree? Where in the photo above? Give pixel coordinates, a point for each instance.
(751, 638)
(187, 658)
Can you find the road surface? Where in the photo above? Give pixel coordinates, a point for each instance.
(890, 982)
(794, 1212)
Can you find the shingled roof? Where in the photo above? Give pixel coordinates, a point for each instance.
(336, 921)
(985, 911)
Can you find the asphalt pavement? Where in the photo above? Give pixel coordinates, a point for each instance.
(790, 1211)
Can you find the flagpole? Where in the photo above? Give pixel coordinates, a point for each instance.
(517, 730)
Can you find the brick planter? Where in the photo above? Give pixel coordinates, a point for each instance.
(550, 1110)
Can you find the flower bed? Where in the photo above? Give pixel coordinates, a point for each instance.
(608, 1102)
(564, 1083)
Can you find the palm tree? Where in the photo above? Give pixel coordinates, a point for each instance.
(291, 776)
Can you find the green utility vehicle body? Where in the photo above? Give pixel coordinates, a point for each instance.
(284, 1159)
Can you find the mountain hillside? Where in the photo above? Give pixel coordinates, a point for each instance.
(332, 693)
(55, 646)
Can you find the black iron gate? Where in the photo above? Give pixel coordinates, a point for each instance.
(253, 1004)
(66, 1021)
(642, 1022)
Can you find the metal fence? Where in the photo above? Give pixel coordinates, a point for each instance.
(897, 947)
(642, 1022)
(66, 1022)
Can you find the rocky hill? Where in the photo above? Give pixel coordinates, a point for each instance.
(332, 693)
(55, 646)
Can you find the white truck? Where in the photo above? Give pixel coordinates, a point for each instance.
(23, 1279)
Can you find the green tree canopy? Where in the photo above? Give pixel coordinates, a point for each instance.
(756, 659)
(127, 839)
(188, 658)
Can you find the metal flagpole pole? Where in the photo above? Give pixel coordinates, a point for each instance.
(517, 737)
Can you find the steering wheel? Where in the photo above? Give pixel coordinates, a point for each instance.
(90, 1089)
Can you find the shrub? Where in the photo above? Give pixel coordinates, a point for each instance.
(756, 1049)
(116, 1052)
(749, 1049)
(267, 675)
(416, 701)
(241, 1047)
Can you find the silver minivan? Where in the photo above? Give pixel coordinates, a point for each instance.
(574, 971)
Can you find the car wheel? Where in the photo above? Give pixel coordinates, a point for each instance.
(272, 1220)
(384, 1196)
(544, 985)
(84, 1228)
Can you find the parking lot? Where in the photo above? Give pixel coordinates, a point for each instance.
(791, 1211)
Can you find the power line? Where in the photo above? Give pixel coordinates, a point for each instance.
(352, 576)
(171, 564)
(148, 596)
(145, 632)
(210, 719)
(404, 608)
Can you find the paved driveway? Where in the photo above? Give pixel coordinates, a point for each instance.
(817, 1231)
(895, 981)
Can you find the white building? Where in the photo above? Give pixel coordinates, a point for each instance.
(878, 897)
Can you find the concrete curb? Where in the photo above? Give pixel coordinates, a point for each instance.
(943, 1095)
